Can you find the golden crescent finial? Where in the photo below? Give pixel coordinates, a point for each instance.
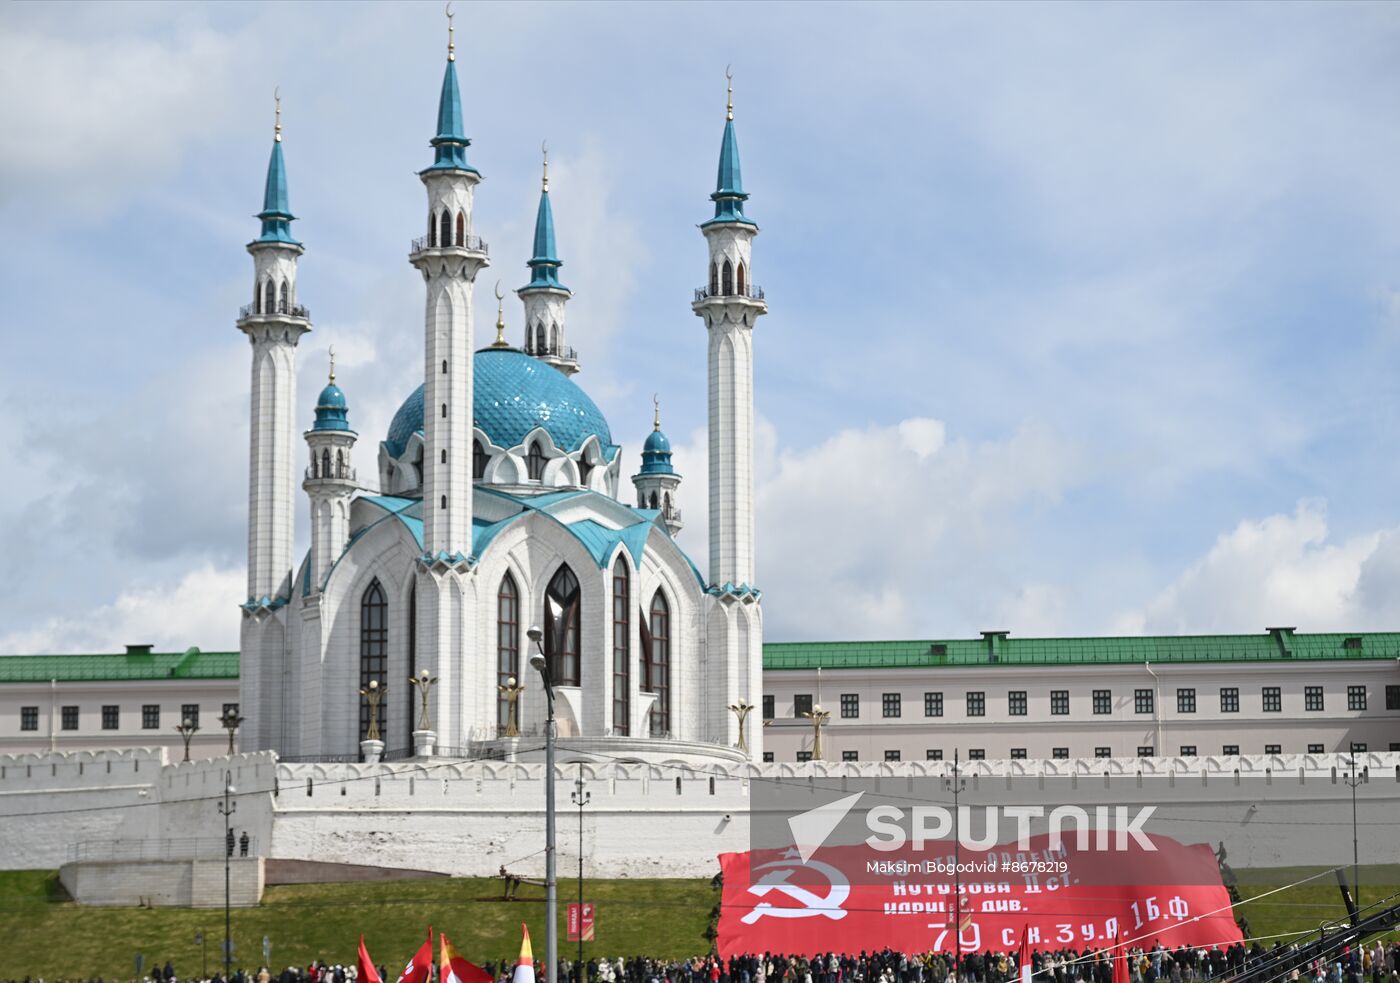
(544, 152)
(451, 44)
(729, 78)
(277, 114)
(656, 406)
(500, 341)
(332, 355)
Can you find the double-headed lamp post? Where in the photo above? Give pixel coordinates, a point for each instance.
(231, 720)
(186, 729)
(551, 887)
(581, 797)
(226, 809)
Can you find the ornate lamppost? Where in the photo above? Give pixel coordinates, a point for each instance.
(551, 891)
(511, 691)
(818, 716)
(423, 737)
(231, 720)
(226, 809)
(186, 729)
(372, 747)
(742, 709)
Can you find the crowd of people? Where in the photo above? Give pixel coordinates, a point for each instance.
(1376, 962)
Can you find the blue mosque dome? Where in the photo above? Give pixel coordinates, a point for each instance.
(513, 393)
(332, 411)
(656, 453)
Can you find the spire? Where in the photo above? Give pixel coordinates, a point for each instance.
(500, 341)
(332, 410)
(655, 402)
(276, 213)
(656, 451)
(729, 193)
(451, 141)
(544, 265)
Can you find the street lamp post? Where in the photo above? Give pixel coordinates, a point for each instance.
(230, 720)
(818, 716)
(1353, 781)
(581, 799)
(551, 892)
(957, 881)
(186, 729)
(226, 809)
(741, 710)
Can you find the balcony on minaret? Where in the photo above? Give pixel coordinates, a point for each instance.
(260, 310)
(458, 244)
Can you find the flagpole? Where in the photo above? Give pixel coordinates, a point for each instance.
(551, 887)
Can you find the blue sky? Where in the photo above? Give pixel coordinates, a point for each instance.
(1084, 318)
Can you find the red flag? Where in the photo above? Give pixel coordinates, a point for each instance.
(1023, 958)
(368, 974)
(1120, 960)
(452, 968)
(421, 965)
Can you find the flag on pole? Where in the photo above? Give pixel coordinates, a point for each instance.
(1120, 960)
(452, 968)
(420, 967)
(368, 974)
(525, 966)
(1023, 958)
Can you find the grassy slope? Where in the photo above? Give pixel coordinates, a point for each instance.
(43, 935)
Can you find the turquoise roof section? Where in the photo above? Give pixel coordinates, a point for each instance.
(656, 454)
(451, 142)
(996, 649)
(729, 186)
(137, 663)
(544, 264)
(276, 214)
(513, 393)
(332, 411)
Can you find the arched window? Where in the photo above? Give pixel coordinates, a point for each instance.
(534, 461)
(740, 280)
(442, 455)
(444, 366)
(432, 229)
(444, 503)
(444, 411)
(374, 648)
(714, 279)
(561, 628)
(666, 505)
(418, 465)
(727, 279)
(445, 235)
(269, 297)
(585, 471)
(540, 346)
(554, 338)
(461, 229)
(282, 307)
(656, 652)
(652, 500)
(340, 464)
(478, 461)
(622, 648)
(326, 463)
(507, 644)
(257, 298)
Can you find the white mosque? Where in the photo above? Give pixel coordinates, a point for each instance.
(501, 506)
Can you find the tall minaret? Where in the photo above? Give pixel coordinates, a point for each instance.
(544, 295)
(730, 304)
(330, 479)
(449, 257)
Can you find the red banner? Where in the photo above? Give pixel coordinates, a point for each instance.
(579, 922)
(853, 898)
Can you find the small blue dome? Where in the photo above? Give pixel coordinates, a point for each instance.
(513, 393)
(332, 411)
(656, 454)
(656, 443)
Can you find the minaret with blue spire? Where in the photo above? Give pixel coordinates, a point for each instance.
(274, 322)
(730, 304)
(658, 482)
(544, 296)
(330, 481)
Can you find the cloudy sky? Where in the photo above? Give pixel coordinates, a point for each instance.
(1084, 319)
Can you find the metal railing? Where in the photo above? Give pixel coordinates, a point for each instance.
(292, 310)
(474, 244)
(175, 848)
(345, 474)
(749, 291)
(559, 351)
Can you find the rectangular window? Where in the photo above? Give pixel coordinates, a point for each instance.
(28, 718)
(1273, 699)
(1316, 749)
(801, 703)
(1103, 752)
(1395, 745)
(1059, 703)
(70, 718)
(1142, 701)
(1016, 703)
(977, 754)
(933, 704)
(890, 705)
(1145, 750)
(1230, 749)
(190, 712)
(804, 755)
(850, 706)
(1188, 750)
(977, 704)
(1060, 753)
(1018, 753)
(767, 757)
(850, 755)
(1103, 701)
(111, 717)
(150, 716)
(1273, 748)
(768, 706)
(621, 644)
(1392, 696)
(933, 754)
(1186, 700)
(1356, 697)
(1358, 747)
(891, 755)
(1312, 698)
(1229, 699)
